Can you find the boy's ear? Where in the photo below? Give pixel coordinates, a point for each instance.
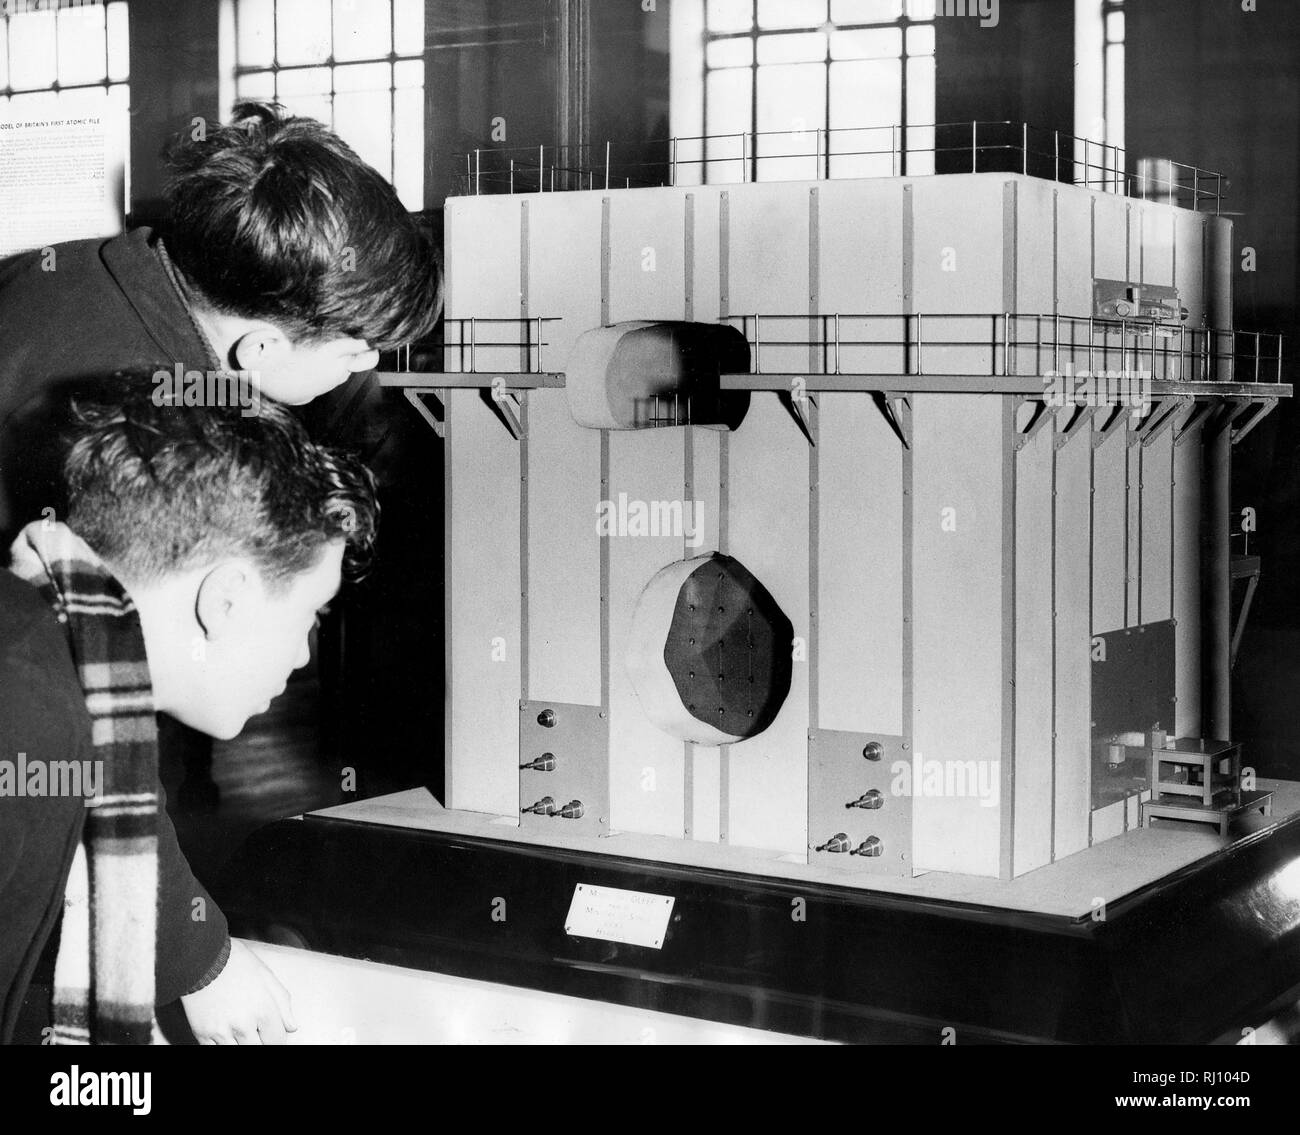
(262, 348)
(220, 594)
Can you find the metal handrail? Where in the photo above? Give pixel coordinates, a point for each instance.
(722, 158)
(1170, 351)
(462, 335)
(1200, 353)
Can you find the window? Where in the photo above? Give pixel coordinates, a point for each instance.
(72, 53)
(1112, 69)
(356, 65)
(1099, 92)
(806, 88)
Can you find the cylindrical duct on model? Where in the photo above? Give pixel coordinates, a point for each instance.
(1220, 262)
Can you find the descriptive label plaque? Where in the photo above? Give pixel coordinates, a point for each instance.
(613, 915)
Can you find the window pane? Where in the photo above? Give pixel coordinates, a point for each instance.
(82, 45)
(920, 151)
(920, 91)
(408, 146)
(731, 15)
(920, 40)
(408, 27)
(865, 11)
(32, 59)
(805, 48)
(1115, 27)
(255, 33)
(866, 100)
(926, 9)
(118, 43)
(737, 52)
(791, 13)
(319, 107)
(305, 81)
(361, 29)
(408, 73)
(1115, 95)
(4, 53)
(305, 92)
(258, 85)
(866, 93)
(728, 96)
(792, 100)
(920, 114)
(363, 119)
(877, 43)
(302, 29)
(363, 77)
(865, 153)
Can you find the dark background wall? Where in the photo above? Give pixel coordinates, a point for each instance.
(486, 60)
(1019, 70)
(174, 77)
(1211, 84)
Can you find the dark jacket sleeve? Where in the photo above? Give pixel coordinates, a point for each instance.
(38, 835)
(193, 938)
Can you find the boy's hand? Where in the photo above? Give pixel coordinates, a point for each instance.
(244, 1004)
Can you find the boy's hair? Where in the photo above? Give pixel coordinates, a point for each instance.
(274, 217)
(156, 489)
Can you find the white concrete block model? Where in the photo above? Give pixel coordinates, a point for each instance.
(960, 539)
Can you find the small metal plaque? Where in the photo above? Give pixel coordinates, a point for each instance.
(563, 754)
(840, 777)
(633, 917)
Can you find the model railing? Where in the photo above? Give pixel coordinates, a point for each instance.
(879, 345)
(477, 344)
(1009, 343)
(822, 154)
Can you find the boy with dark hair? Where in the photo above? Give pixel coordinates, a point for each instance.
(199, 547)
(276, 221)
(284, 257)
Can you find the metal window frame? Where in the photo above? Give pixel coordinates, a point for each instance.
(1110, 8)
(903, 22)
(276, 68)
(9, 91)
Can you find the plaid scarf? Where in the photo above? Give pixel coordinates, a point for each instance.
(104, 972)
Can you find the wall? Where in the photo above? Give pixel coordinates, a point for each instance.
(1217, 86)
(485, 60)
(174, 78)
(1016, 71)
